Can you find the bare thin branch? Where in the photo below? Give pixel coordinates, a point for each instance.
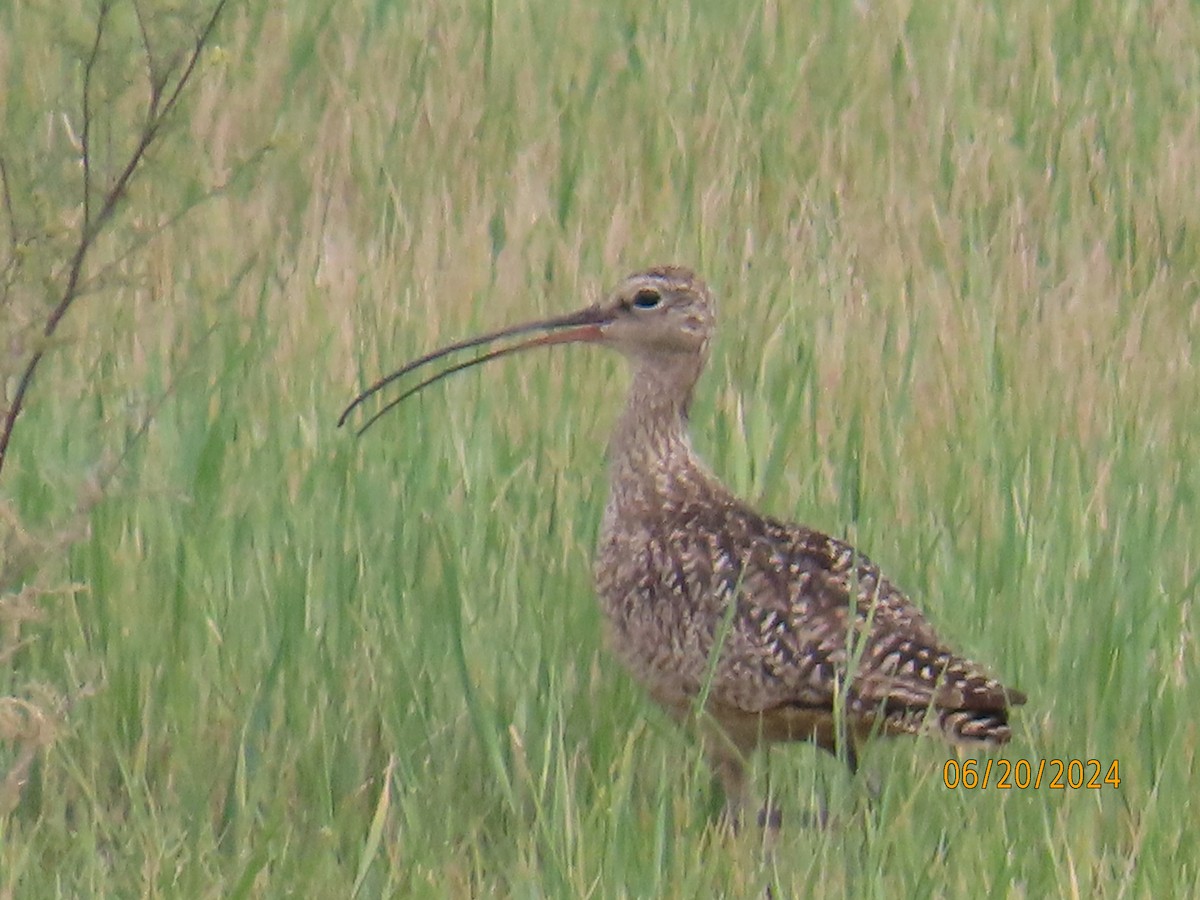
(92, 226)
(197, 49)
(157, 80)
(9, 211)
(86, 132)
(8, 274)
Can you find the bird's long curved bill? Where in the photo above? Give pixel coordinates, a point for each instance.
(584, 326)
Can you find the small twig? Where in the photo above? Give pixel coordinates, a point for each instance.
(14, 242)
(157, 81)
(6, 195)
(93, 280)
(86, 132)
(194, 58)
(108, 472)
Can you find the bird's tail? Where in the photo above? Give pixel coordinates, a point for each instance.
(974, 726)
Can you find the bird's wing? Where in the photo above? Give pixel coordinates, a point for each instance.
(798, 635)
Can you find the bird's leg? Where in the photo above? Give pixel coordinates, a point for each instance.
(730, 770)
(847, 752)
(873, 787)
(770, 816)
(818, 818)
(728, 763)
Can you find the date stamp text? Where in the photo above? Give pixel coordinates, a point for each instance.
(1026, 774)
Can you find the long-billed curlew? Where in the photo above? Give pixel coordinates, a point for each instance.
(779, 632)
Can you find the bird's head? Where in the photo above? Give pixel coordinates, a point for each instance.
(661, 319)
(658, 314)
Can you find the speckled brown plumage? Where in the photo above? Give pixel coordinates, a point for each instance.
(770, 623)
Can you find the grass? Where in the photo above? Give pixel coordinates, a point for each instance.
(954, 248)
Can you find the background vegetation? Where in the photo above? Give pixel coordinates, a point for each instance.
(246, 655)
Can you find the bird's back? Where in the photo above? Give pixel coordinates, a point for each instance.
(798, 619)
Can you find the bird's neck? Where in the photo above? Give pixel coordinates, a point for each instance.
(650, 454)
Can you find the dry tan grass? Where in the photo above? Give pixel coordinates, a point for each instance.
(954, 251)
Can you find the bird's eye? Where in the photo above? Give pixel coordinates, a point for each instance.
(647, 298)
